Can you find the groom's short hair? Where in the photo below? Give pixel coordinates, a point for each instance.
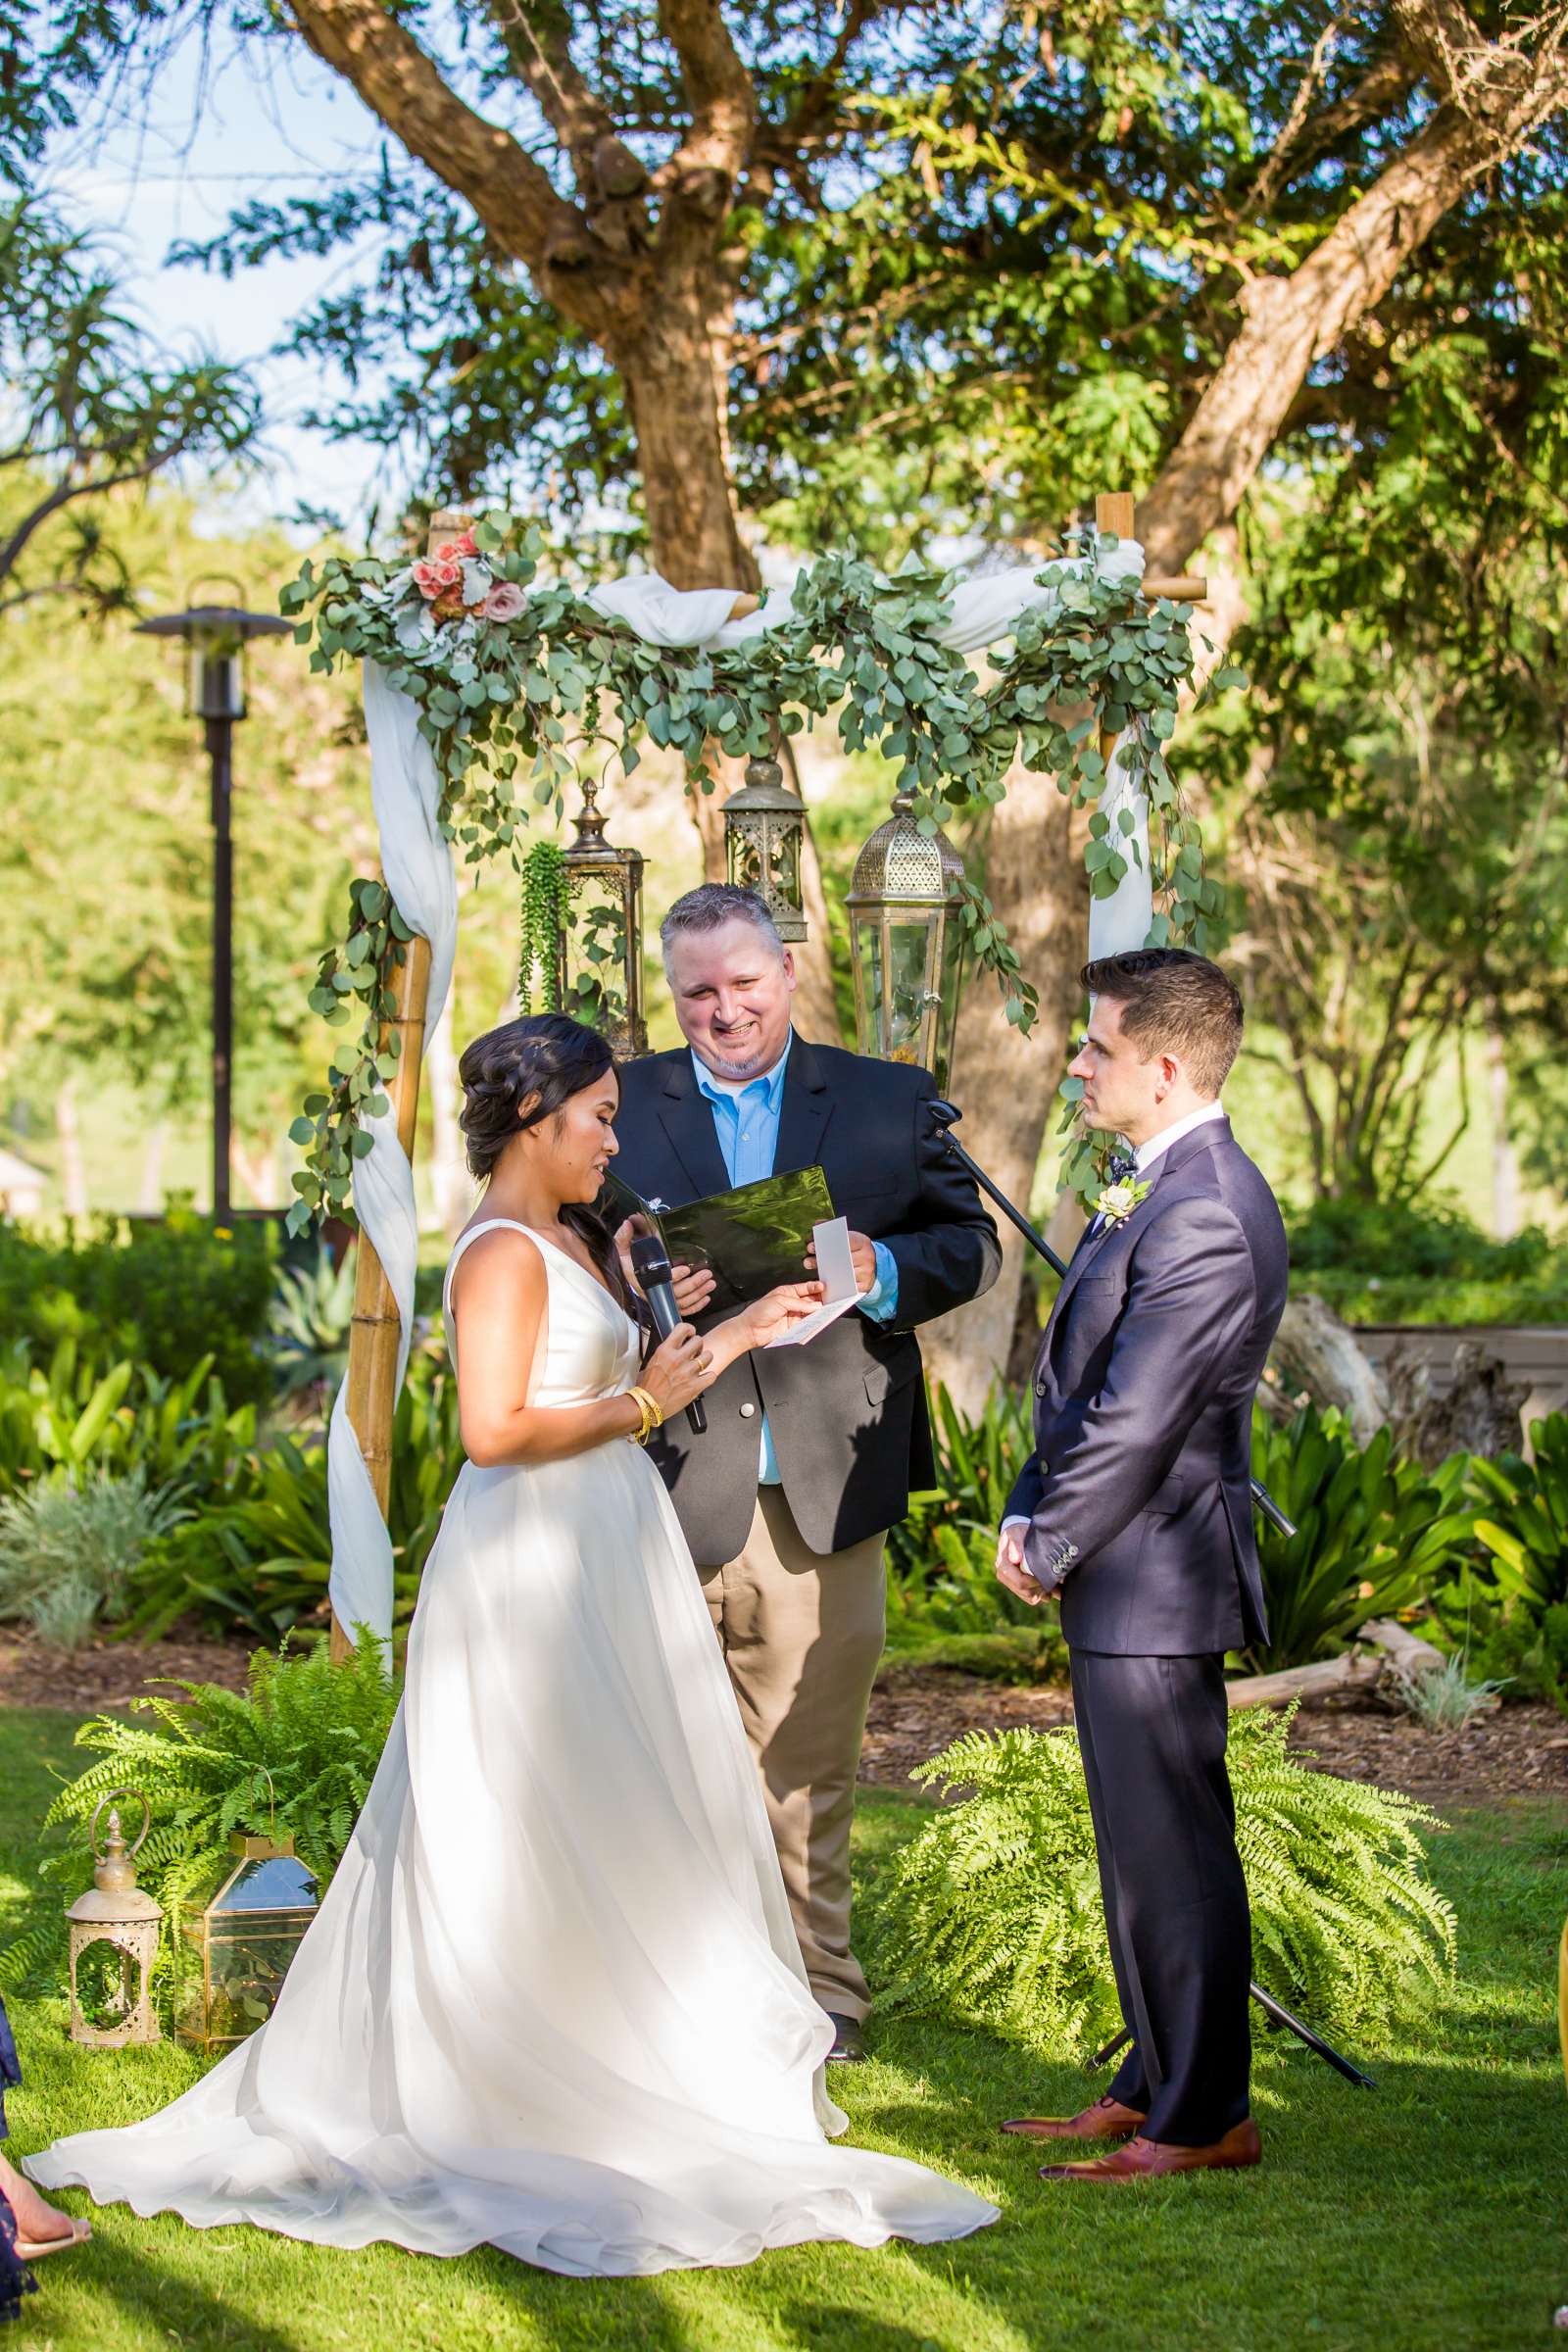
(1173, 1001)
(712, 904)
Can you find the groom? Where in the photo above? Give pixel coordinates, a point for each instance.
(810, 1452)
(1135, 1507)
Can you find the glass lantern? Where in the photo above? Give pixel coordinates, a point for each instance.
(765, 824)
(215, 637)
(599, 955)
(906, 948)
(244, 1941)
(114, 1941)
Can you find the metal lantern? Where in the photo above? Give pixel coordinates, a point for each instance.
(216, 637)
(245, 1938)
(598, 954)
(765, 824)
(907, 949)
(114, 1941)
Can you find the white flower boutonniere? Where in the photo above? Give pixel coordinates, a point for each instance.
(1118, 1201)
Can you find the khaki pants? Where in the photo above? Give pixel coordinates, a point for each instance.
(802, 1635)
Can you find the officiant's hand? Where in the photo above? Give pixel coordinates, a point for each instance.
(862, 1256)
(693, 1286)
(1012, 1572)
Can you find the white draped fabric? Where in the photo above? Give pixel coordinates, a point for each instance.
(417, 867)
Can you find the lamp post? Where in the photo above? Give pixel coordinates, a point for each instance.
(905, 947)
(216, 636)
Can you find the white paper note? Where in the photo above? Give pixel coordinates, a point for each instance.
(835, 1270)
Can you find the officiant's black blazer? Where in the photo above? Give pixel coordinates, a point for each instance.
(1138, 1491)
(847, 1409)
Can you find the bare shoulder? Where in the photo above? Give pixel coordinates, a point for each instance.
(504, 1265)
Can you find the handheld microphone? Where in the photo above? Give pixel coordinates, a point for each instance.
(651, 1264)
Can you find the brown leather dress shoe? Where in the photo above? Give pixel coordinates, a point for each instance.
(1148, 2159)
(1107, 2119)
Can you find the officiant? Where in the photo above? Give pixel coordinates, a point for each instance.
(810, 1453)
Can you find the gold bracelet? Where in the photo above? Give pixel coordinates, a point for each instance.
(649, 1417)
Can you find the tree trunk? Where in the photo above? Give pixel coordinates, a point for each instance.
(150, 1199)
(68, 1132)
(1504, 1157)
(1004, 1083)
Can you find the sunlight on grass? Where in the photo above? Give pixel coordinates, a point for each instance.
(1424, 2218)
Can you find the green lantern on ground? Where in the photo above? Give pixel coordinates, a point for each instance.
(905, 944)
(764, 825)
(243, 1941)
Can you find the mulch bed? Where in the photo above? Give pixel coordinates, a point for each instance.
(917, 1711)
(1513, 1751)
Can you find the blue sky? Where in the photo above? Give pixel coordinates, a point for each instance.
(172, 166)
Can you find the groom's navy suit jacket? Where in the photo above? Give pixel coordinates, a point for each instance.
(1138, 1491)
(848, 1410)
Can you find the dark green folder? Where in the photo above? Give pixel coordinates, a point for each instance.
(752, 1238)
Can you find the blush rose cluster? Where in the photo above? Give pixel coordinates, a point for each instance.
(454, 582)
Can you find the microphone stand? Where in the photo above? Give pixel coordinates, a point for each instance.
(944, 1116)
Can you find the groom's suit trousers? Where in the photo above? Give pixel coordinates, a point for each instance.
(1152, 1733)
(802, 1633)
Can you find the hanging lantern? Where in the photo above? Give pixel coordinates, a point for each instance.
(765, 824)
(599, 952)
(114, 1941)
(245, 1939)
(906, 948)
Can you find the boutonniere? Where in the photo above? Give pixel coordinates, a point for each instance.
(1118, 1201)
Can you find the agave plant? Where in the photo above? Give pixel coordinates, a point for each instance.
(308, 1324)
(1374, 1534)
(991, 1913)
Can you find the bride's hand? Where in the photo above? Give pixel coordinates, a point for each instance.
(789, 1304)
(680, 1368)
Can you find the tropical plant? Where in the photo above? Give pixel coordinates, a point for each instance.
(991, 1913)
(1510, 1619)
(1375, 1534)
(296, 1752)
(67, 1553)
(60, 1421)
(261, 1560)
(307, 1338)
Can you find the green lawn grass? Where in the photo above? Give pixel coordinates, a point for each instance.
(1425, 2217)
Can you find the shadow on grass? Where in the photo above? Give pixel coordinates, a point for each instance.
(166, 2304)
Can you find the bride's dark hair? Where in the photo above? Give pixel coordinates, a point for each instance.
(551, 1056)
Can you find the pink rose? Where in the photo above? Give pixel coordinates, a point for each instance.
(504, 601)
(446, 573)
(425, 581)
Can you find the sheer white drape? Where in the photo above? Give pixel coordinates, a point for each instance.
(418, 866)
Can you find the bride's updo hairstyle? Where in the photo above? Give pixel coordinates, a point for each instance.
(552, 1058)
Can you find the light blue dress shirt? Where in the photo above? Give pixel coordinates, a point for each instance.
(746, 1123)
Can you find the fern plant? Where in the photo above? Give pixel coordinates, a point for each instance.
(991, 1913)
(296, 1752)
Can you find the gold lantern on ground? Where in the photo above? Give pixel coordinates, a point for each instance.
(765, 826)
(244, 1941)
(906, 944)
(114, 1941)
(599, 949)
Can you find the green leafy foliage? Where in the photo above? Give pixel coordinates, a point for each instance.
(68, 1551)
(297, 1751)
(260, 1559)
(67, 1418)
(162, 1292)
(1511, 1620)
(496, 697)
(1420, 1261)
(993, 1912)
(1375, 1534)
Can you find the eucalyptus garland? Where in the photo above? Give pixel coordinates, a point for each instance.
(506, 671)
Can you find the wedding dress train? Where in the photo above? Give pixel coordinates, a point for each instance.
(552, 2000)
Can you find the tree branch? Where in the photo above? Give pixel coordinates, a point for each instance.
(719, 91)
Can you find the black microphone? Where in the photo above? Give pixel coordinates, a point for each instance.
(651, 1264)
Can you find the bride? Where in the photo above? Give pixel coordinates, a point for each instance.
(552, 1997)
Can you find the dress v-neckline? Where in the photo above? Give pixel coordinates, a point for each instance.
(576, 1265)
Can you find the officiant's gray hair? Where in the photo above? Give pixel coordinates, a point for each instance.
(708, 905)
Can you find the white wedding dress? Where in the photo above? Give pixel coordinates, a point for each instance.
(553, 1998)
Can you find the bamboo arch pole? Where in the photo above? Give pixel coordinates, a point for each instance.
(374, 1331)
(1114, 513)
